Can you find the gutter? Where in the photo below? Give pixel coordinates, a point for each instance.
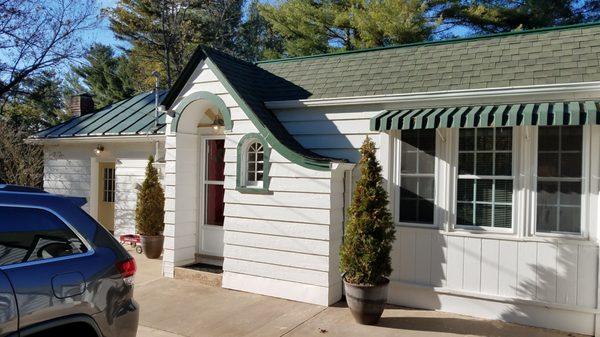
(96, 139)
(550, 92)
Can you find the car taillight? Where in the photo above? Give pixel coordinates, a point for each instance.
(127, 269)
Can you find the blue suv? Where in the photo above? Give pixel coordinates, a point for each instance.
(61, 273)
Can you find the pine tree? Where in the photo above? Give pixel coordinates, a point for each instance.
(166, 33)
(312, 27)
(110, 78)
(496, 16)
(150, 210)
(370, 233)
(257, 40)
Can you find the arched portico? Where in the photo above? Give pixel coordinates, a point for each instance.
(195, 180)
(202, 100)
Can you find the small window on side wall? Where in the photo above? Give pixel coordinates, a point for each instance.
(253, 164)
(559, 179)
(417, 166)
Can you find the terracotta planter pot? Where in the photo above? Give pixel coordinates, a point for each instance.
(152, 246)
(366, 302)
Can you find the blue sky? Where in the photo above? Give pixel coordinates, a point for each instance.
(103, 34)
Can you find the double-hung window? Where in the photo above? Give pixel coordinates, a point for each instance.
(485, 178)
(417, 180)
(513, 169)
(559, 179)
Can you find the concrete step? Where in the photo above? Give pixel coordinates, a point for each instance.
(203, 274)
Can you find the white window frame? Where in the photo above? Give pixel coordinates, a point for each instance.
(585, 188)
(524, 198)
(516, 134)
(246, 162)
(395, 144)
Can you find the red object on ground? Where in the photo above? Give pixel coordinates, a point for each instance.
(132, 239)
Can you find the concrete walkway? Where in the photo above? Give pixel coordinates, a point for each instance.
(181, 308)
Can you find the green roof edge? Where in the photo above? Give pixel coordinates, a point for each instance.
(291, 155)
(439, 42)
(198, 56)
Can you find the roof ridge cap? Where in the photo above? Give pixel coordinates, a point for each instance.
(438, 42)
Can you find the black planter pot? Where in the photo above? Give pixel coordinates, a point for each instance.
(366, 302)
(152, 246)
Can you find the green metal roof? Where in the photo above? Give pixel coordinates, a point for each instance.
(541, 114)
(129, 117)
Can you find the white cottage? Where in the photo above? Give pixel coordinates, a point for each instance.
(489, 147)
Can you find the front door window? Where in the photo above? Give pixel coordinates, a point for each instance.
(214, 178)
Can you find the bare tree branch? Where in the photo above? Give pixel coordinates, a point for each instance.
(36, 35)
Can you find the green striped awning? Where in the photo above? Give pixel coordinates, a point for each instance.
(557, 113)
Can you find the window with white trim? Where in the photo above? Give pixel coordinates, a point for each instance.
(255, 164)
(559, 179)
(485, 177)
(417, 168)
(526, 181)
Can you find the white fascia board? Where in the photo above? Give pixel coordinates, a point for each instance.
(520, 94)
(97, 139)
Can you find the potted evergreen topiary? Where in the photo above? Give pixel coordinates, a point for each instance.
(365, 253)
(150, 213)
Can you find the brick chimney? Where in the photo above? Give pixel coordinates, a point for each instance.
(81, 104)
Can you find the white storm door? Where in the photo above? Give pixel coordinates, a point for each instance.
(212, 192)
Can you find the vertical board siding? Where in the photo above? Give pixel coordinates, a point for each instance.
(489, 266)
(587, 271)
(562, 273)
(456, 257)
(527, 270)
(407, 267)
(554, 272)
(472, 265)
(546, 272)
(438, 263)
(566, 264)
(507, 268)
(423, 258)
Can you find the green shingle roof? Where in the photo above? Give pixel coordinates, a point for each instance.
(240, 76)
(132, 116)
(547, 56)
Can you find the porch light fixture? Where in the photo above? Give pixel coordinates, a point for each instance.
(217, 124)
(98, 150)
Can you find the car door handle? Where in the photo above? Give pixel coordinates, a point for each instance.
(68, 285)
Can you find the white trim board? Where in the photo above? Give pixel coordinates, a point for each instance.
(515, 311)
(520, 94)
(97, 139)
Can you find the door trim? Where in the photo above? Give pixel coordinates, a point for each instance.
(202, 228)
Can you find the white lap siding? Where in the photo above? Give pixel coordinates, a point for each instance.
(276, 244)
(549, 283)
(67, 171)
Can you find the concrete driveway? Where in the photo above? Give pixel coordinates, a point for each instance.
(182, 308)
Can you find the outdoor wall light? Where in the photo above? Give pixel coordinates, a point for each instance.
(98, 150)
(217, 124)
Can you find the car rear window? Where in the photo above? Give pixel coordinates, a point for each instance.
(29, 234)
